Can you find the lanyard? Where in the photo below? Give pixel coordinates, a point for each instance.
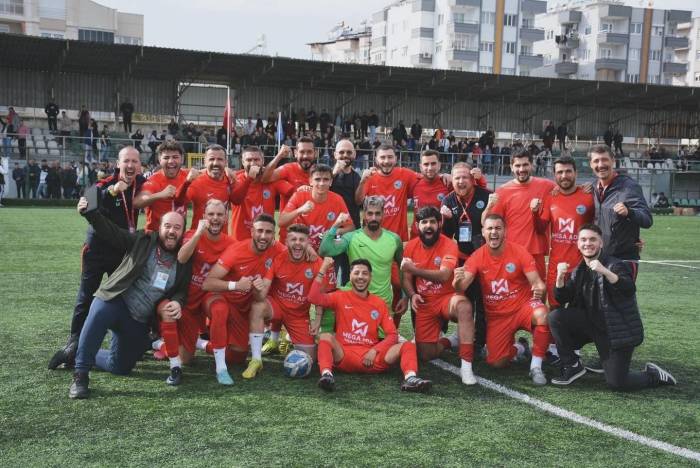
(162, 262)
(129, 213)
(464, 206)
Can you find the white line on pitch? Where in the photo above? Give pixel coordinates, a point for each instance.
(672, 260)
(571, 416)
(669, 264)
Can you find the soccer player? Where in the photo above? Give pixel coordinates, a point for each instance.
(602, 309)
(381, 247)
(318, 209)
(284, 295)
(428, 264)
(513, 293)
(356, 347)
(562, 214)
(513, 200)
(217, 182)
(157, 195)
(393, 183)
(204, 246)
(260, 197)
(232, 278)
(296, 173)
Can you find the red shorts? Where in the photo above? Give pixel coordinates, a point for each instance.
(551, 281)
(430, 316)
(296, 323)
(189, 326)
(352, 361)
(500, 330)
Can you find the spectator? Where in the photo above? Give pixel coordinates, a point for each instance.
(548, 136)
(19, 176)
(608, 137)
(51, 111)
(258, 122)
(64, 127)
(84, 121)
(221, 137)
(22, 134)
(138, 138)
(94, 138)
(105, 144)
(373, 123)
(3, 173)
(43, 191)
(173, 127)
(312, 119)
(153, 145)
(83, 177)
(69, 179)
(92, 173)
(53, 181)
(6, 139)
(416, 131)
(561, 136)
(250, 126)
(324, 120)
(127, 110)
(13, 121)
(617, 141)
(34, 175)
(662, 201)
(399, 134)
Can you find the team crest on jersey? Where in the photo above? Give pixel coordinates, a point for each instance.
(330, 216)
(268, 263)
(510, 267)
(581, 209)
(437, 261)
(308, 273)
(266, 194)
(480, 204)
(441, 197)
(397, 184)
(374, 314)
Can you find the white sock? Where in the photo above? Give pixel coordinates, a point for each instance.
(156, 345)
(326, 372)
(454, 340)
(175, 362)
(408, 375)
(201, 344)
(466, 365)
(275, 336)
(577, 352)
(256, 345)
(520, 348)
(220, 359)
(553, 349)
(536, 362)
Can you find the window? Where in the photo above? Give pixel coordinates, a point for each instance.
(528, 22)
(510, 20)
(52, 34)
(393, 28)
(697, 77)
(508, 71)
(12, 7)
(404, 51)
(604, 52)
(485, 69)
(92, 35)
(127, 40)
(524, 72)
(636, 28)
(464, 42)
(4, 28)
(606, 27)
(586, 55)
(654, 79)
(655, 55)
(550, 34)
(657, 30)
(441, 19)
(587, 31)
(459, 17)
(697, 54)
(509, 47)
(525, 49)
(438, 47)
(488, 17)
(52, 9)
(635, 54)
(632, 78)
(486, 47)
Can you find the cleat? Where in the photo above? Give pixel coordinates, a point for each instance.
(595, 366)
(79, 389)
(175, 377)
(569, 374)
(160, 355)
(285, 347)
(660, 376)
(468, 377)
(270, 347)
(538, 377)
(327, 382)
(254, 366)
(527, 354)
(224, 378)
(416, 384)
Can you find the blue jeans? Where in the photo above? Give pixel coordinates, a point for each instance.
(129, 338)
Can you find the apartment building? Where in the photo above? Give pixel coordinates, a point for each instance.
(690, 54)
(344, 44)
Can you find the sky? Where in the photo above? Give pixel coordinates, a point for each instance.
(234, 26)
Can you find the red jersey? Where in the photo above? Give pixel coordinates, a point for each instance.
(293, 174)
(291, 282)
(241, 260)
(396, 188)
(205, 255)
(504, 286)
(321, 218)
(204, 188)
(259, 198)
(443, 253)
(156, 183)
(428, 193)
(514, 205)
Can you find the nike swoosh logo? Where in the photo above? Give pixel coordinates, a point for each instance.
(348, 306)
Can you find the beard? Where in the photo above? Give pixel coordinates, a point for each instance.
(373, 226)
(429, 238)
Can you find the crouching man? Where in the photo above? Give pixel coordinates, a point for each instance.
(148, 277)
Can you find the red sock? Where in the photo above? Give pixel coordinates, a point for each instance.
(445, 343)
(540, 340)
(218, 332)
(409, 358)
(234, 356)
(209, 349)
(168, 331)
(466, 351)
(325, 355)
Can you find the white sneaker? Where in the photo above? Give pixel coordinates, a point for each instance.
(538, 377)
(468, 377)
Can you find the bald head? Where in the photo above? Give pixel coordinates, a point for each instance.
(172, 226)
(129, 163)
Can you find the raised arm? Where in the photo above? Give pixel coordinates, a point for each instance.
(271, 173)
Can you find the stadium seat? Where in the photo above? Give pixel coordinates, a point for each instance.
(42, 151)
(36, 132)
(676, 202)
(40, 143)
(627, 162)
(685, 203)
(14, 143)
(51, 144)
(54, 152)
(30, 143)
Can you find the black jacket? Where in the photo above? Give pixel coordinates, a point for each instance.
(450, 227)
(620, 235)
(617, 302)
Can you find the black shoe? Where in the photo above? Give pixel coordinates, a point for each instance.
(175, 377)
(327, 382)
(595, 366)
(569, 374)
(527, 354)
(65, 356)
(416, 384)
(552, 359)
(659, 375)
(79, 388)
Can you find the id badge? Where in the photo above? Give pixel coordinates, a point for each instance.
(161, 280)
(132, 229)
(465, 232)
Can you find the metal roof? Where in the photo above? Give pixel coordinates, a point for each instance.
(243, 71)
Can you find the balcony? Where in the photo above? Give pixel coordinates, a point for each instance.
(679, 16)
(676, 42)
(533, 6)
(531, 34)
(566, 42)
(422, 59)
(570, 17)
(424, 5)
(422, 32)
(675, 68)
(566, 68)
(468, 3)
(613, 38)
(471, 27)
(464, 55)
(530, 61)
(615, 11)
(611, 64)
(379, 42)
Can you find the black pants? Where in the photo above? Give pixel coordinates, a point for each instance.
(571, 330)
(52, 123)
(94, 266)
(21, 190)
(33, 189)
(127, 122)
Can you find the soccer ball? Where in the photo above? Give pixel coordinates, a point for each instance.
(297, 364)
